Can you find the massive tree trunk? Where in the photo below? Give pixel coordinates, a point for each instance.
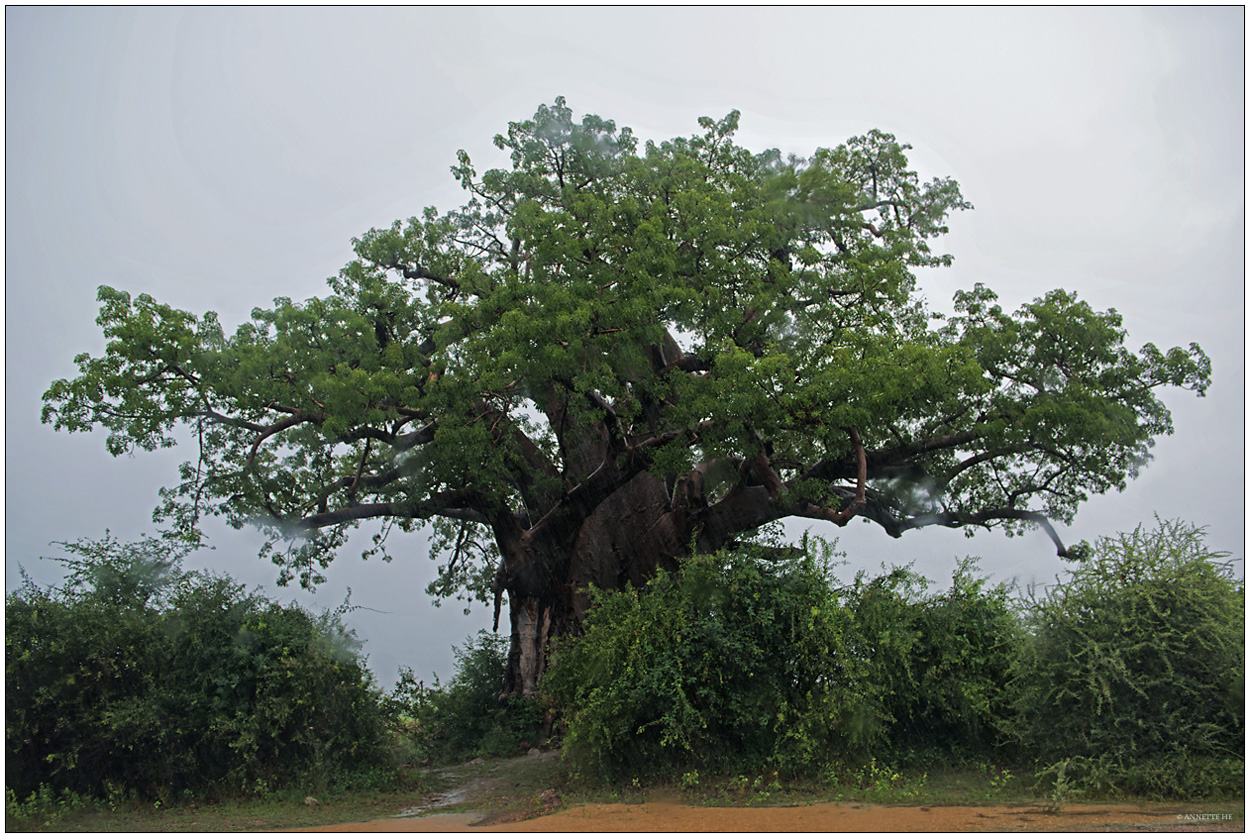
(636, 530)
(547, 571)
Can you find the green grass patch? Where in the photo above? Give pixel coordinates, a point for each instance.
(278, 810)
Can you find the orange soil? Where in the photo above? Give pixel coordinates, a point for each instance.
(820, 817)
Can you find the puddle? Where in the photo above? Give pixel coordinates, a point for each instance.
(441, 801)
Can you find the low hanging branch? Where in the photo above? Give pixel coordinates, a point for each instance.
(956, 520)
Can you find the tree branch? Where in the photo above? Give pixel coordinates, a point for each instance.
(418, 272)
(351, 491)
(456, 505)
(955, 520)
(842, 517)
(276, 427)
(984, 456)
(357, 512)
(222, 419)
(421, 436)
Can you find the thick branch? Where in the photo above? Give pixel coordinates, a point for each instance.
(955, 520)
(222, 419)
(984, 456)
(763, 468)
(843, 516)
(358, 512)
(747, 507)
(455, 505)
(276, 427)
(421, 436)
(365, 481)
(530, 468)
(687, 363)
(877, 205)
(642, 446)
(418, 272)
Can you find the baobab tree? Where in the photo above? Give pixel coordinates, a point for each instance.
(609, 358)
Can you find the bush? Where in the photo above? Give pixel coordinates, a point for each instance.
(740, 663)
(134, 675)
(732, 663)
(467, 718)
(1134, 678)
(941, 660)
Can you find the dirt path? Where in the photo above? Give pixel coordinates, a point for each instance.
(512, 796)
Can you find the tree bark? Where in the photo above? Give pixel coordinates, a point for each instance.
(548, 569)
(630, 535)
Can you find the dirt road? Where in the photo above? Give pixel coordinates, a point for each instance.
(819, 817)
(507, 796)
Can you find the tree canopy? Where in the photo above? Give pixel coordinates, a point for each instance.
(736, 336)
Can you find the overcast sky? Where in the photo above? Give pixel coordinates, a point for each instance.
(217, 158)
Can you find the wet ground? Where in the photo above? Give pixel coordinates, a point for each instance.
(819, 817)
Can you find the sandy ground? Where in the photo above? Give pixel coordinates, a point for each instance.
(510, 790)
(820, 817)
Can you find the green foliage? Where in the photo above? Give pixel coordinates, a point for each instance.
(122, 573)
(882, 783)
(1068, 386)
(1134, 678)
(42, 809)
(941, 659)
(467, 718)
(720, 665)
(738, 663)
(140, 677)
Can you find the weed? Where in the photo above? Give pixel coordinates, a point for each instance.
(999, 779)
(1061, 790)
(41, 809)
(882, 782)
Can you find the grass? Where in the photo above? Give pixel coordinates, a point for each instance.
(871, 783)
(284, 810)
(970, 783)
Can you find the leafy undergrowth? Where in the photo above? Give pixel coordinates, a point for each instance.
(873, 782)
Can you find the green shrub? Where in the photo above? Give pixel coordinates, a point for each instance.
(467, 718)
(942, 659)
(739, 663)
(1134, 678)
(134, 675)
(733, 663)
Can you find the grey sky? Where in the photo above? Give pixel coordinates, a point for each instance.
(217, 158)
